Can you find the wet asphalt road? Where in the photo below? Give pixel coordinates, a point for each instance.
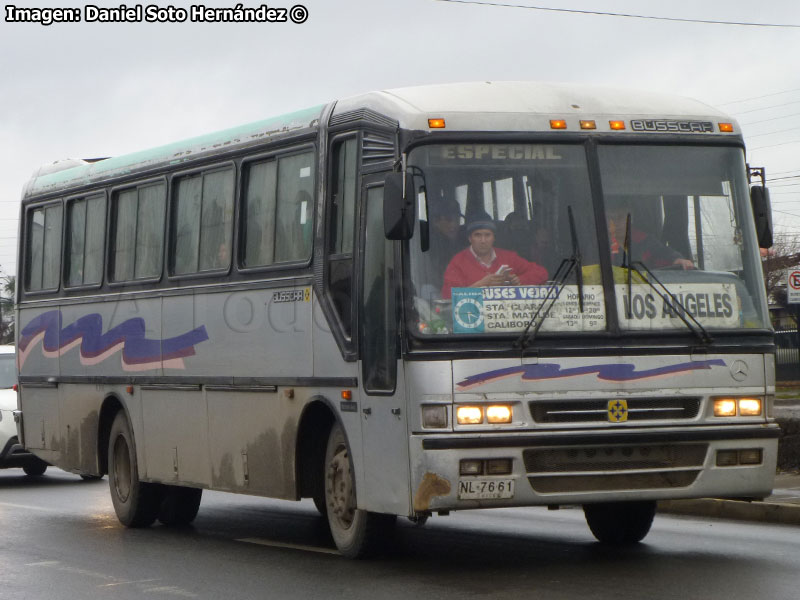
(61, 540)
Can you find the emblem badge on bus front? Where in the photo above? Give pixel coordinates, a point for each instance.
(617, 411)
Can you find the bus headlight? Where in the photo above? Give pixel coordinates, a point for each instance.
(498, 413)
(469, 415)
(749, 407)
(744, 407)
(724, 407)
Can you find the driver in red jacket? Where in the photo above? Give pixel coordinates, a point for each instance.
(483, 265)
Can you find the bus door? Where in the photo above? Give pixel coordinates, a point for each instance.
(383, 409)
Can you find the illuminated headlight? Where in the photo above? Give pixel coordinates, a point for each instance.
(724, 407)
(469, 415)
(744, 407)
(498, 413)
(434, 416)
(749, 407)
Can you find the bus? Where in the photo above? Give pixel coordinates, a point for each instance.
(291, 309)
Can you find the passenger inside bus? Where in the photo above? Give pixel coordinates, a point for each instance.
(646, 247)
(483, 265)
(446, 238)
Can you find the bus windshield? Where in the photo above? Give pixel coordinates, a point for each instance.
(507, 239)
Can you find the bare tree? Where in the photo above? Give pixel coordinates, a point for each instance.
(784, 255)
(7, 288)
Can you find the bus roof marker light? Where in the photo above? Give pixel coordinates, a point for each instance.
(617, 125)
(588, 125)
(558, 124)
(726, 127)
(436, 123)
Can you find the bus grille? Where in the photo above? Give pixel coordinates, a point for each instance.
(610, 468)
(639, 409)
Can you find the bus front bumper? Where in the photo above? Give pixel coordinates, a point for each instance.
(457, 471)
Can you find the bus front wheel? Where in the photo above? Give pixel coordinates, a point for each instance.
(180, 505)
(357, 533)
(620, 523)
(136, 502)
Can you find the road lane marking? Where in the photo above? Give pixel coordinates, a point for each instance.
(29, 507)
(263, 542)
(105, 585)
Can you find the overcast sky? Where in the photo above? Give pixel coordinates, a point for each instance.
(99, 89)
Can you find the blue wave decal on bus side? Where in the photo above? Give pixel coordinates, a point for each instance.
(610, 372)
(138, 352)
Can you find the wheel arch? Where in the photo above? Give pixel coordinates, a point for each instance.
(108, 411)
(316, 421)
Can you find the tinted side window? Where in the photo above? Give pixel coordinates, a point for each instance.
(85, 240)
(138, 225)
(43, 248)
(202, 222)
(278, 210)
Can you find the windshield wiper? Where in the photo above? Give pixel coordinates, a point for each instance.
(567, 266)
(667, 297)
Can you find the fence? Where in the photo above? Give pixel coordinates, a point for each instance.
(787, 355)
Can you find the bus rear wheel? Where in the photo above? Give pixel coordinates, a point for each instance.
(136, 502)
(357, 533)
(620, 523)
(180, 505)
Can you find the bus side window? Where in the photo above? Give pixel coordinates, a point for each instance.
(43, 248)
(295, 207)
(85, 237)
(341, 225)
(202, 222)
(137, 225)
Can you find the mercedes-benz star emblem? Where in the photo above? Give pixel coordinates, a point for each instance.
(739, 370)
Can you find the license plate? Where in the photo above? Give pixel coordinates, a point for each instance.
(485, 489)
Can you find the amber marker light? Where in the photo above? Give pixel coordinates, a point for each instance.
(436, 123)
(498, 413)
(749, 407)
(617, 125)
(726, 127)
(588, 125)
(347, 395)
(558, 124)
(469, 415)
(724, 407)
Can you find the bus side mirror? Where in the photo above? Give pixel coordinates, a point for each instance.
(762, 213)
(398, 212)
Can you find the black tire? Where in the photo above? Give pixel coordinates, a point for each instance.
(319, 502)
(91, 477)
(357, 533)
(180, 505)
(35, 469)
(620, 523)
(136, 502)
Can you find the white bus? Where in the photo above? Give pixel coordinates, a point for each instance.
(405, 303)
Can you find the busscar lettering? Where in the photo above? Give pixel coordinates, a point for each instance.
(672, 126)
(43, 16)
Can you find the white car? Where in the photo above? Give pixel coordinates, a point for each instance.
(12, 454)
